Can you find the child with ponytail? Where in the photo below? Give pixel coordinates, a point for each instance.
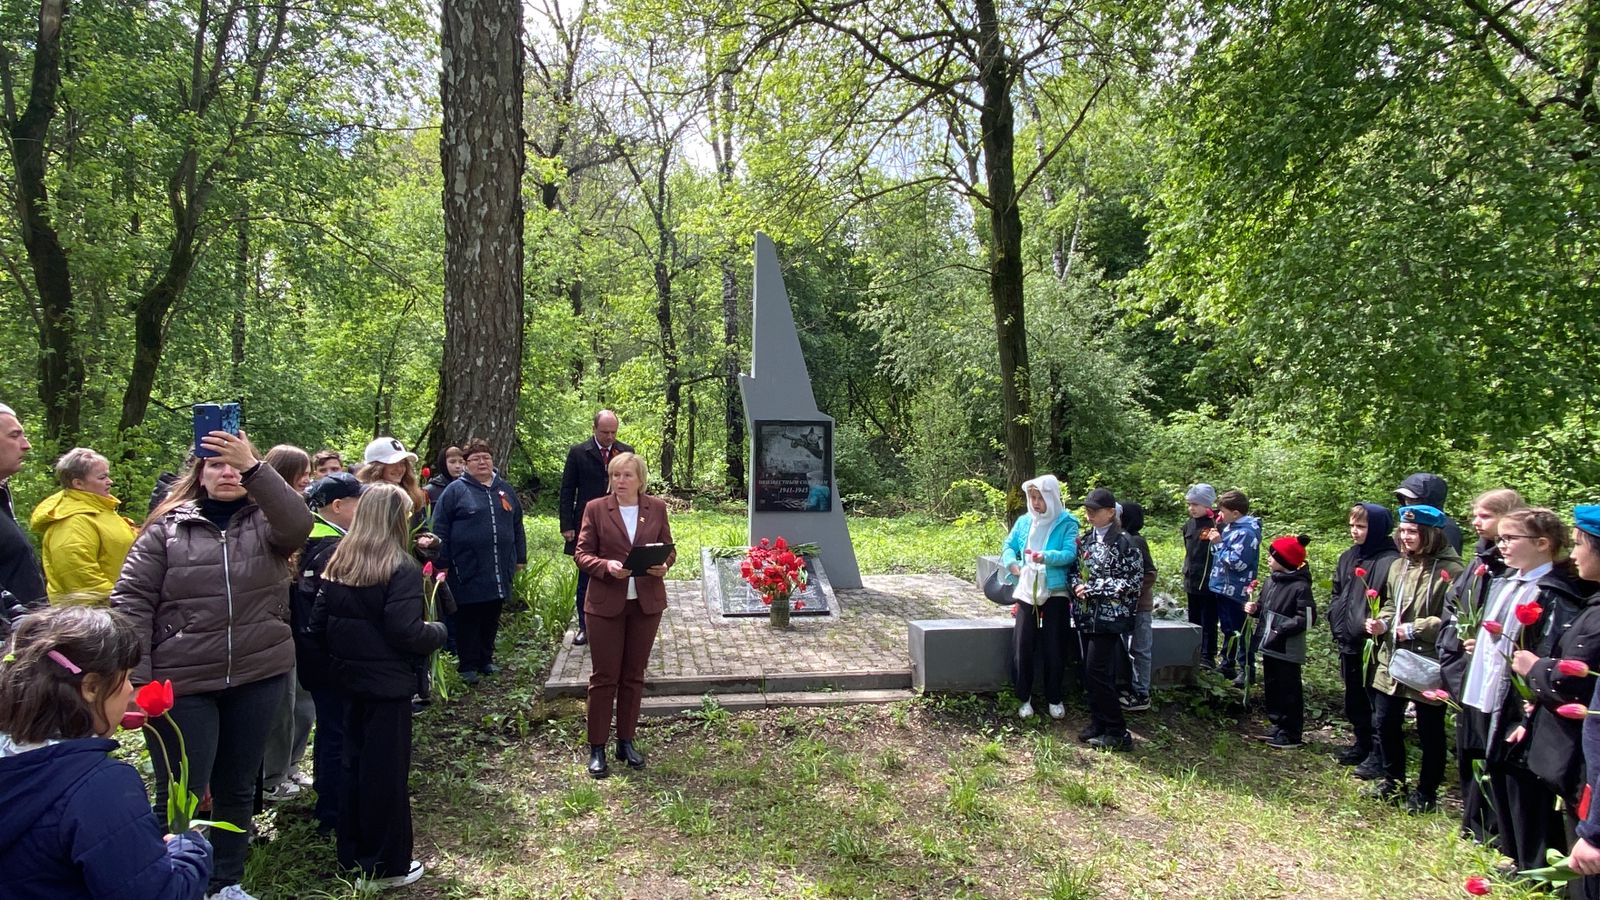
(75, 822)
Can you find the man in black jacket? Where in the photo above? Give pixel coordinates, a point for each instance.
(20, 575)
(583, 479)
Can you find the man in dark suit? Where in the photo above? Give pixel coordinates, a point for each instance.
(21, 580)
(583, 479)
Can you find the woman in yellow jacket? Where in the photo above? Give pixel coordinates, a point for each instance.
(83, 538)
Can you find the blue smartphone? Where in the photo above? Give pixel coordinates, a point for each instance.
(209, 417)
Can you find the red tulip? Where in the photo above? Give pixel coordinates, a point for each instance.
(1477, 886)
(1481, 570)
(426, 473)
(799, 604)
(427, 569)
(1444, 576)
(1360, 572)
(1372, 594)
(1572, 711)
(1575, 668)
(133, 721)
(1436, 694)
(1529, 613)
(1493, 627)
(155, 698)
(780, 544)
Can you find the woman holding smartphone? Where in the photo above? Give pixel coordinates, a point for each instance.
(206, 587)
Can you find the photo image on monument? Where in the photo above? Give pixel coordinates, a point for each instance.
(793, 466)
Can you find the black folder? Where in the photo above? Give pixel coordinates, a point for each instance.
(645, 556)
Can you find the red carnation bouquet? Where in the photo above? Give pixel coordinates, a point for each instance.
(774, 571)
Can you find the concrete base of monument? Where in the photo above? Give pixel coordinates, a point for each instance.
(974, 655)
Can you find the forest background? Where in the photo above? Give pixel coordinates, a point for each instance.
(1302, 248)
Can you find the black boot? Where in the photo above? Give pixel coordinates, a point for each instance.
(597, 761)
(627, 754)
(1370, 769)
(1354, 756)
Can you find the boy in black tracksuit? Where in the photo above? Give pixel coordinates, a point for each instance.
(1105, 596)
(1202, 500)
(1372, 552)
(332, 499)
(1286, 610)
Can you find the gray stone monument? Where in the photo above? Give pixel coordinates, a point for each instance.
(792, 489)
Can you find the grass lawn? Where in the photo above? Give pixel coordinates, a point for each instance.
(934, 797)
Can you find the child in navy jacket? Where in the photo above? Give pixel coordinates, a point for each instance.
(74, 822)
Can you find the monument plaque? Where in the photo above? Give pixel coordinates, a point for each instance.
(793, 466)
(727, 594)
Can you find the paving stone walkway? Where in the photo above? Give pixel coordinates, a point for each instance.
(864, 647)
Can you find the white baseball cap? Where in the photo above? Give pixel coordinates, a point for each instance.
(387, 450)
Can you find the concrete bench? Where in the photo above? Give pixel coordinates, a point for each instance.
(974, 655)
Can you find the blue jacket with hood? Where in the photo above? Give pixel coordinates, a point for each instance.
(76, 823)
(1235, 558)
(1060, 551)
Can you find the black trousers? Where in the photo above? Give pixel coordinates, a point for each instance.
(1477, 809)
(1203, 612)
(1358, 700)
(1102, 652)
(477, 626)
(1284, 695)
(327, 754)
(375, 799)
(1525, 810)
(225, 733)
(1044, 632)
(1391, 719)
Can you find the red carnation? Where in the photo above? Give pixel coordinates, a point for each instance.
(799, 604)
(1529, 613)
(1360, 572)
(780, 544)
(1493, 627)
(1575, 668)
(1477, 886)
(155, 698)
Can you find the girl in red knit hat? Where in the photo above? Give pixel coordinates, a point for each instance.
(1286, 609)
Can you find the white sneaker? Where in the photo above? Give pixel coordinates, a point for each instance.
(281, 793)
(1058, 710)
(394, 881)
(1025, 711)
(301, 778)
(231, 892)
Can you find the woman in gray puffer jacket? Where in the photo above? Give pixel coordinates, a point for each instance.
(206, 587)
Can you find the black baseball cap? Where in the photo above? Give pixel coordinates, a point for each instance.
(1100, 498)
(328, 488)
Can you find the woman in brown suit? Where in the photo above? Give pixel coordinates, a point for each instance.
(622, 608)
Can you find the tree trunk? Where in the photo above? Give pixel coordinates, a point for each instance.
(241, 277)
(151, 309)
(721, 109)
(483, 159)
(1005, 252)
(669, 360)
(60, 362)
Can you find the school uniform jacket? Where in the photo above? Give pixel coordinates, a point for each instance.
(1554, 744)
(603, 537)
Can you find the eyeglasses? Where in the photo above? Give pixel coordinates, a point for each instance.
(1505, 539)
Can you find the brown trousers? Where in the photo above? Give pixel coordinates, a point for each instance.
(620, 648)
